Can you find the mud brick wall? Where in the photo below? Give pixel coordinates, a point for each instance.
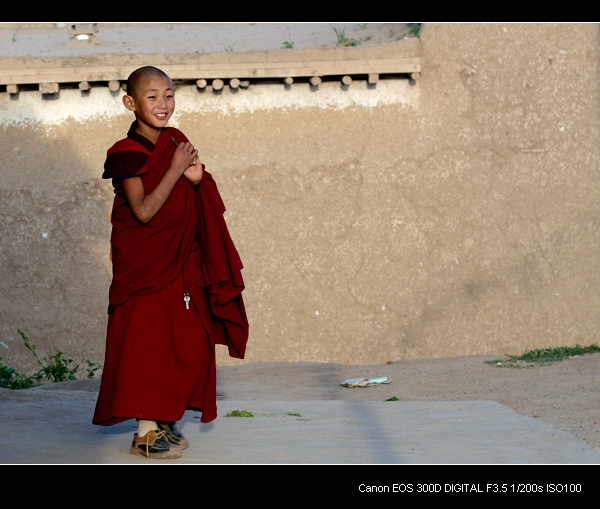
(451, 216)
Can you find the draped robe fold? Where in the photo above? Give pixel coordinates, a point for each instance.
(160, 355)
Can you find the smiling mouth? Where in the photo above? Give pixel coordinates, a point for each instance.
(161, 116)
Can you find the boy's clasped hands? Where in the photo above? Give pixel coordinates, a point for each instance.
(186, 156)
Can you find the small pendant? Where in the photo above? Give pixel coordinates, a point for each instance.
(187, 299)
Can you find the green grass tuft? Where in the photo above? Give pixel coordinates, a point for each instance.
(240, 413)
(414, 29)
(545, 356)
(288, 44)
(343, 39)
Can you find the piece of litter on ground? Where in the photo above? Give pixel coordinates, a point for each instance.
(365, 382)
(353, 382)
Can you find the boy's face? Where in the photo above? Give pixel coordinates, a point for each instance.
(153, 102)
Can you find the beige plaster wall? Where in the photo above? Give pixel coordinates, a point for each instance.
(463, 220)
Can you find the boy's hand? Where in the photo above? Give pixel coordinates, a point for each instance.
(184, 156)
(194, 172)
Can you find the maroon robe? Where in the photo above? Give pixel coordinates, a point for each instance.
(160, 355)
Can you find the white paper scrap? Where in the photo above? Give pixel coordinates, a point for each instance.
(365, 382)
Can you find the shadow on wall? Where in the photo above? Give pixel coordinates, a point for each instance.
(54, 235)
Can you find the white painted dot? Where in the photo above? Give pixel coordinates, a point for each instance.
(45, 235)
(382, 308)
(317, 313)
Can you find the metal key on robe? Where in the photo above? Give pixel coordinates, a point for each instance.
(187, 300)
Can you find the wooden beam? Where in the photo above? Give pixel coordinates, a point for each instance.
(13, 89)
(216, 71)
(114, 85)
(346, 80)
(85, 86)
(218, 84)
(373, 78)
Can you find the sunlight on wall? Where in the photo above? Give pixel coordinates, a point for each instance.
(30, 108)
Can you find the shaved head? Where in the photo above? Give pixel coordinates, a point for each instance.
(136, 77)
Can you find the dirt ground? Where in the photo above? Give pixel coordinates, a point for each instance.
(564, 394)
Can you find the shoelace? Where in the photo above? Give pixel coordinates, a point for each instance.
(159, 435)
(170, 429)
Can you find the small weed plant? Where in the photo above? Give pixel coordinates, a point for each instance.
(343, 39)
(240, 413)
(544, 356)
(56, 368)
(11, 379)
(414, 29)
(288, 44)
(15, 32)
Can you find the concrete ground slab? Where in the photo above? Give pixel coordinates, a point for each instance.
(294, 432)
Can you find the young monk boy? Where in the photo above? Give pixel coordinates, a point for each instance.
(177, 287)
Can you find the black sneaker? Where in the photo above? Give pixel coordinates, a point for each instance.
(154, 445)
(173, 434)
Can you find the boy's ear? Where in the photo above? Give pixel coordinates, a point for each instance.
(129, 102)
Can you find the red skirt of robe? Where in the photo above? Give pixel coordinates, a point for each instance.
(159, 358)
